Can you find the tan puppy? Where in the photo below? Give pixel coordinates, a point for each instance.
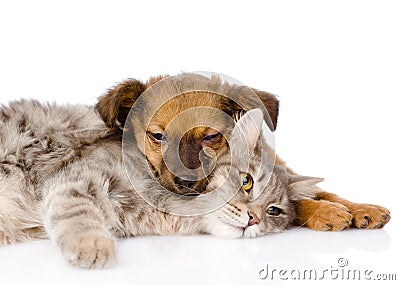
(179, 135)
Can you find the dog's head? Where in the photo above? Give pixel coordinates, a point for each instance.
(180, 126)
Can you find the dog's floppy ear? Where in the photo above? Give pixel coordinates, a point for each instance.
(114, 106)
(244, 102)
(271, 103)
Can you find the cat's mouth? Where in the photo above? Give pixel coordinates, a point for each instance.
(248, 231)
(237, 227)
(244, 230)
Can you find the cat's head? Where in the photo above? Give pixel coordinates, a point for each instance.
(266, 193)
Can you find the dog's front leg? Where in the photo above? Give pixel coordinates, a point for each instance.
(365, 216)
(323, 215)
(331, 212)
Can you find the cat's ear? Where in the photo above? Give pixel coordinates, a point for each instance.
(303, 187)
(248, 127)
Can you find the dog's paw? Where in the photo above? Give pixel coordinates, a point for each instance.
(367, 216)
(329, 216)
(91, 252)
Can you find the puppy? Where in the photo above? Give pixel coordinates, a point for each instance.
(181, 130)
(180, 124)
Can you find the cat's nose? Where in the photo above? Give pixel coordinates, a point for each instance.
(253, 219)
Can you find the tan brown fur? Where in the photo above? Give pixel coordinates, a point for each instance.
(191, 142)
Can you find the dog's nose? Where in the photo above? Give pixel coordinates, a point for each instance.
(188, 181)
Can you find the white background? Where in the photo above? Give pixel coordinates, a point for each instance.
(334, 64)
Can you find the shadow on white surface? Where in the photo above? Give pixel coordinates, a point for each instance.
(206, 259)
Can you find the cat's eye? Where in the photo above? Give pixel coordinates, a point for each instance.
(247, 182)
(158, 137)
(274, 211)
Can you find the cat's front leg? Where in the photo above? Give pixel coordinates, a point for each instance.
(77, 225)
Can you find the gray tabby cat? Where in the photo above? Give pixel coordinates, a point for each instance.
(62, 177)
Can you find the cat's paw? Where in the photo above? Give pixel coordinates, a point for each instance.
(330, 216)
(91, 251)
(367, 216)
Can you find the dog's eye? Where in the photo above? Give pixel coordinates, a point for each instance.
(211, 137)
(158, 137)
(274, 211)
(247, 182)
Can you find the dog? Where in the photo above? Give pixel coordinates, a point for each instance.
(179, 145)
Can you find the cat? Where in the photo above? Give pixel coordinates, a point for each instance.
(63, 178)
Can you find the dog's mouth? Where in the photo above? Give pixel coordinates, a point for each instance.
(190, 187)
(188, 192)
(181, 185)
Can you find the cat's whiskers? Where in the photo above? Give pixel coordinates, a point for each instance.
(231, 216)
